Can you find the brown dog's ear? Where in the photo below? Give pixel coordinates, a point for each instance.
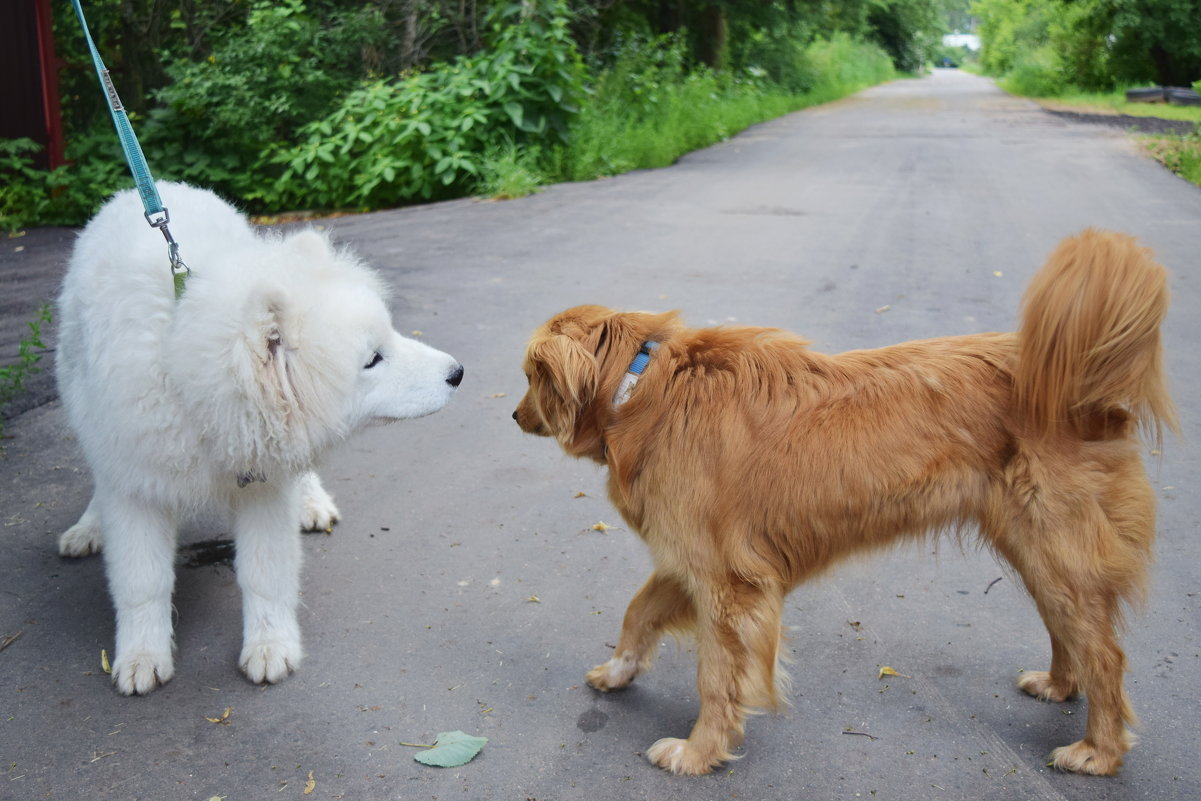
(567, 380)
(570, 367)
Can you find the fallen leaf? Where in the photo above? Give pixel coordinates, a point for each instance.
(104, 663)
(451, 749)
(887, 671)
(224, 719)
(855, 624)
(883, 308)
(580, 494)
(601, 526)
(310, 785)
(418, 333)
(498, 394)
(534, 599)
(998, 273)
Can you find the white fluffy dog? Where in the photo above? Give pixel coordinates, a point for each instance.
(279, 347)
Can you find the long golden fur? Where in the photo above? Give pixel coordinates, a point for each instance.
(748, 463)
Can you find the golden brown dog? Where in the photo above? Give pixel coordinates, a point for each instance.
(749, 463)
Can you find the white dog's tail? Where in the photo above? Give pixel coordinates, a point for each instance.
(1089, 345)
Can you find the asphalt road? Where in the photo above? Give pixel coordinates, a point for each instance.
(466, 588)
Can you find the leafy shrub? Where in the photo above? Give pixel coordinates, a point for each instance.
(67, 195)
(12, 376)
(647, 109)
(1035, 73)
(258, 85)
(907, 30)
(424, 135)
(22, 192)
(509, 171)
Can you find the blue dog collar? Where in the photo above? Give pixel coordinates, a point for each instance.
(633, 373)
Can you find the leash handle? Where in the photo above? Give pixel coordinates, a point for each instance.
(156, 214)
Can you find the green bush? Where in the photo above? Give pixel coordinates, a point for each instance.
(1035, 73)
(508, 171)
(23, 197)
(1098, 44)
(67, 195)
(648, 109)
(424, 136)
(12, 376)
(907, 29)
(277, 117)
(282, 70)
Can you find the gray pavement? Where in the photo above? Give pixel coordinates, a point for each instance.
(466, 589)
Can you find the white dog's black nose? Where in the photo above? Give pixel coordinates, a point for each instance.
(456, 376)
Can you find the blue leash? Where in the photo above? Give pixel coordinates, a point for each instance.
(156, 214)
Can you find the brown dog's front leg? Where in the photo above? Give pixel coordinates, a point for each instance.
(738, 641)
(660, 604)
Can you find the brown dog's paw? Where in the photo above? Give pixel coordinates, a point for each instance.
(1040, 684)
(1083, 757)
(616, 674)
(682, 757)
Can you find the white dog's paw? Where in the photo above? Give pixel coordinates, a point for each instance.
(318, 512)
(269, 661)
(317, 509)
(81, 539)
(140, 672)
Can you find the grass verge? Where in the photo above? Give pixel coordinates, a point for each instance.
(12, 377)
(647, 110)
(1180, 154)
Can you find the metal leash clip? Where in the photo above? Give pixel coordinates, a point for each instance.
(179, 270)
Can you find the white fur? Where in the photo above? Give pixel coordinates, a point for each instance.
(259, 368)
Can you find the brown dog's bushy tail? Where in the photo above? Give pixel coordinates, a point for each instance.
(1089, 345)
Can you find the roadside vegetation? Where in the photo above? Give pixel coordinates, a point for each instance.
(29, 352)
(1085, 54)
(340, 104)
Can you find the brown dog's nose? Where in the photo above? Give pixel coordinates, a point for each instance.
(514, 414)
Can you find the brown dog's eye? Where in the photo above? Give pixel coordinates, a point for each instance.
(376, 358)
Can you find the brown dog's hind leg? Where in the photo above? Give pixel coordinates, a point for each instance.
(1078, 599)
(661, 604)
(1087, 631)
(738, 641)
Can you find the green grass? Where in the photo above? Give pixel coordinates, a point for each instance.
(1116, 103)
(1180, 154)
(647, 110)
(12, 377)
(509, 172)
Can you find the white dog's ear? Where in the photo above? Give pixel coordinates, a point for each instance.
(264, 323)
(267, 338)
(309, 245)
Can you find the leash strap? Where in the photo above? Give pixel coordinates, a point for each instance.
(156, 214)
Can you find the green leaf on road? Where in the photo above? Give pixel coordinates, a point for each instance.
(451, 749)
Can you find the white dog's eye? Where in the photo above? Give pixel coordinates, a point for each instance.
(376, 358)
